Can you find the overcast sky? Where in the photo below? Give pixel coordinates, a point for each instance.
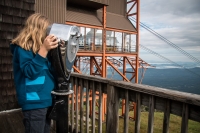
(176, 20)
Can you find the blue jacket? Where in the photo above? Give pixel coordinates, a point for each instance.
(33, 79)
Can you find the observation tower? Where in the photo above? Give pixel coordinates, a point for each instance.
(108, 36)
(109, 39)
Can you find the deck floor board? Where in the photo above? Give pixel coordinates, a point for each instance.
(12, 122)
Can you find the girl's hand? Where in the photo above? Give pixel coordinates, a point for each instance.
(50, 42)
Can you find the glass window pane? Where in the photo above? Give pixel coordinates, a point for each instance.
(133, 43)
(82, 40)
(89, 39)
(110, 40)
(118, 41)
(126, 42)
(98, 40)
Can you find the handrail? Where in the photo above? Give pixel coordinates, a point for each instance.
(182, 104)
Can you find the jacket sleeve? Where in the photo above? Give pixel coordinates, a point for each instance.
(30, 64)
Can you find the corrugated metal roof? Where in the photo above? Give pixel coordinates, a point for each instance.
(93, 17)
(106, 2)
(116, 21)
(117, 7)
(94, 4)
(82, 16)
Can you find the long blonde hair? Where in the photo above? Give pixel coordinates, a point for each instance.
(33, 33)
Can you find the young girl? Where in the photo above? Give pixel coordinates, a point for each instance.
(32, 72)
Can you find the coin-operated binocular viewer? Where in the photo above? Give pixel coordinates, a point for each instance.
(62, 59)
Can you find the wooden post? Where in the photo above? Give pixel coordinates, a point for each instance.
(72, 103)
(93, 106)
(81, 104)
(100, 108)
(166, 117)
(184, 123)
(151, 114)
(112, 110)
(124, 73)
(138, 112)
(87, 106)
(76, 82)
(126, 116)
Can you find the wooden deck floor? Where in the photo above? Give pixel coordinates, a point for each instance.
(12, 122)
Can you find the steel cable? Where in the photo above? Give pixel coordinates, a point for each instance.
(168, 42)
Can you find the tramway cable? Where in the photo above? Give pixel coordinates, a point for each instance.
(162, 57)
(168, 42)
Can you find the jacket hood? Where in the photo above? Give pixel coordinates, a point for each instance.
(12, 48)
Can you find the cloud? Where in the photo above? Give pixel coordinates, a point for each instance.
(174, 7)
(176, 20)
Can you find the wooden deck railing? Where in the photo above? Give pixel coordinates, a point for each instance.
(81, 119)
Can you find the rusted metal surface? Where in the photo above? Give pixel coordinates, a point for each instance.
(137, 40)
(114, 66)
(104, 65)
(55, 10)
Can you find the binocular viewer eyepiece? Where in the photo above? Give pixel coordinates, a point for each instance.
(63, 57)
